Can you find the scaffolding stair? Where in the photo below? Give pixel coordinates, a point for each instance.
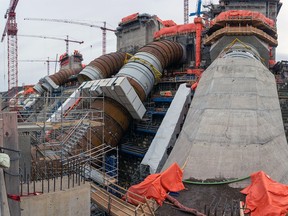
(75, 137)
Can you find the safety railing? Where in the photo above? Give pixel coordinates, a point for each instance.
(116, 202)
(246, 30)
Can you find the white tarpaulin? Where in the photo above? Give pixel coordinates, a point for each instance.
(4, 160)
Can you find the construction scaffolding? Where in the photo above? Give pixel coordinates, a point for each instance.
(61, 145)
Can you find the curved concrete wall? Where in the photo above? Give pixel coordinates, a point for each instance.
(234, 125)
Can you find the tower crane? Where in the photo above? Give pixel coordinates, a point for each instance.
(186, 11)
(198, 11)
(67, 40)
(45, 61)
(11, 31)
(103, 28)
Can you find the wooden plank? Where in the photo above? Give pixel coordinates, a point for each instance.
(241, 208)
(148, 205)
(115, 208)
(57, 125)
(119, 206)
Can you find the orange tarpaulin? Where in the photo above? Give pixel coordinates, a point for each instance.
(168, 23)
(130, 18)
(156, 186)
(29, 91)
(175, 29)
(243, 14)
(266, 196)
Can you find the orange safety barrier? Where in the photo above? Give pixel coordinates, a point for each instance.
(176, 29)
(168, 23)
(166, 31)
(242, 14)
(190, 27)
(266, 196)
(156, 186)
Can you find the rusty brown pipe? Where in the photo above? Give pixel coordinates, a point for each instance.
(102, 67)
(144, 67)
(140, 71)
(62, 76)
(53, 81)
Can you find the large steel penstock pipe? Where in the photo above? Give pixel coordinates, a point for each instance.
(102, 67)
(142, 71)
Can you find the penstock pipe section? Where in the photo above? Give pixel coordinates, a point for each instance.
(102, 67)
(143, 70)
(55, 80)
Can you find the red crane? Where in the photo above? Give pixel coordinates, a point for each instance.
(11, 31)
(103, 28)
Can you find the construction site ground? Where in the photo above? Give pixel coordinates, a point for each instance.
(216, 198)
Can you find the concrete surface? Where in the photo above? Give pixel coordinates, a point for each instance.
(69, 202)
(234, 125)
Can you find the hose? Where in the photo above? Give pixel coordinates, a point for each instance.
(216, 183)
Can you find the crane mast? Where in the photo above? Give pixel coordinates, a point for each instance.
(104, 39)
(11, 31)
(186, 11)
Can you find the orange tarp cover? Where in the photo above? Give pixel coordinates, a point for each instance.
(129, 18)
(168, 23)
(29, 91)
(156, 186)
(242, 14)
(176, 29)
(266, 196)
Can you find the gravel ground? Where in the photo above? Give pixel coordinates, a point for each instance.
(211, 200)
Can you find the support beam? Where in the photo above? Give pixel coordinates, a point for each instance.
(4, 207)
(10, 140)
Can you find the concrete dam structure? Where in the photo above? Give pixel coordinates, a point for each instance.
(206, 97)
(234, 125)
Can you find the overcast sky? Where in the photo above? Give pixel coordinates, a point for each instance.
(91, 11)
